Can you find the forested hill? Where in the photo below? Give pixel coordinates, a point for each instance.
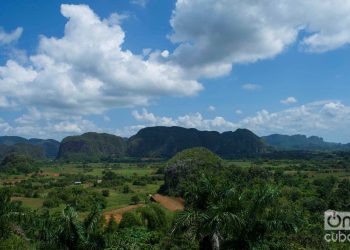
(160, 142)
(167, 141)
(92, 147)
(36, 148)
(302, 142)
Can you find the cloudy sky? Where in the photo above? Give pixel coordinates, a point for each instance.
(272, 66)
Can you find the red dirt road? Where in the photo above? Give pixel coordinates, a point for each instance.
(172, 204)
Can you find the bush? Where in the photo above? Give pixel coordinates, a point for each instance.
(154, 216)
(135, 200)
(130, 219)
(105, 192)
(51, 203)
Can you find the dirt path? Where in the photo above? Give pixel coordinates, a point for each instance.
(117, 214)
(172, 204)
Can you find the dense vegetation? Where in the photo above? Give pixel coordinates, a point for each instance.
(92, 147)
(259, 204)
(18, 164)
(186, 166)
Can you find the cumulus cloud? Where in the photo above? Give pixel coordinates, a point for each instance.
(324, 118)
(43, 128)
(195, 120)
(246, 31)
(8, 38)
(87, 72)
(289, 100)
(251, 87)
(35, 123)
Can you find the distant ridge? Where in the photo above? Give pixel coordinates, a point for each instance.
(37, 148)
(302, 142)
(160, 142)
(163, 142)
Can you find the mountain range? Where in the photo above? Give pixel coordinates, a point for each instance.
(161, 142)
(36, 148)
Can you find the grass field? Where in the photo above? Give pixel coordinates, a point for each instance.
(117, 198)
(34, 203)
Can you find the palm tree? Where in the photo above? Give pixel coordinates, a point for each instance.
(66, 230)
(220, 216)
(86, 234)
(92, 227)
(71, 231)
(10, 215)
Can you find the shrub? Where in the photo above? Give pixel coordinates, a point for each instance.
(130, 219)
(135, 200)
(153, 217)
(105, 192)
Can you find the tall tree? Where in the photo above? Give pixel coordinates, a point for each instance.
(220, 216)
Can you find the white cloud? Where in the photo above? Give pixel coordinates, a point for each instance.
(289, 100)
(246, 31)
(146, 52)
(324, 118)
(4, 126)
(211, 108)
(74, 127)
(87, 72)
(238, 112)
(41, 127)
(150, 118)
(141, 3)
(165, 53)
(195, 120)
(116, 18)
(251, 86)
(49, 125)
(106, 118)
(8, 38)
(129, 130)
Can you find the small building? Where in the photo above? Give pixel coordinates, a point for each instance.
(77, 182)
(99, 181)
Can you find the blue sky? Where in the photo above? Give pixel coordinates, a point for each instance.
(121, 65)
